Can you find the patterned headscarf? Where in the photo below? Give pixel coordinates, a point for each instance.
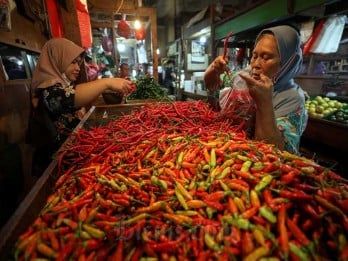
(287, 95)
(56, 55)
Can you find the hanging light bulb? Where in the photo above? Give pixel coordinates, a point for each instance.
(137, 24)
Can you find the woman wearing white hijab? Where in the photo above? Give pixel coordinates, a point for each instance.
(281, 116)
(56, 97)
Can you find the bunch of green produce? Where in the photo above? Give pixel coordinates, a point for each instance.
(147, 88)
(319, 106)
(340, 116)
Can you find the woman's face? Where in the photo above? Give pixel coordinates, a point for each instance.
(73, 70)
(265, 58)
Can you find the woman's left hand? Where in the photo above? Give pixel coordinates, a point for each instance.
(261, 90)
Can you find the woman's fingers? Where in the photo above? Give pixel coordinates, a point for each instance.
(248, 79)
(121, 85)
(220, 65)
(264, 81)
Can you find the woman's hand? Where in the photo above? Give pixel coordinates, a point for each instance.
(212, 73)
(261, 90)
(121, 85)
(265, 123)
(219, 65)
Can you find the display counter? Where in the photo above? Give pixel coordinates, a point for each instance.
(326, 142)
(194, 96)
(174, 180)
(327, 132)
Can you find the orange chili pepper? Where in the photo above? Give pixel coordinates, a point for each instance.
(46, 250)
(195, 203)
(177, 219)
(284, 240)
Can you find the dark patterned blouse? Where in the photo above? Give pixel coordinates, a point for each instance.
(59, 101)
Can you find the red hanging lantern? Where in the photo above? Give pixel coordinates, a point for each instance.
(123, 28)
(140, 33)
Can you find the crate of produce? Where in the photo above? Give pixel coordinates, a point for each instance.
(175, 180)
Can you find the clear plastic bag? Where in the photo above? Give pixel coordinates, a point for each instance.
(236, 103)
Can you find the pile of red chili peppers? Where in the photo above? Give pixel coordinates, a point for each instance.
(173, 181)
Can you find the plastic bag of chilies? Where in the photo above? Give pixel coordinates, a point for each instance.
(236, 103)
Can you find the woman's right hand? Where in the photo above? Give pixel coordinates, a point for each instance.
(212, 73)
(219, 65)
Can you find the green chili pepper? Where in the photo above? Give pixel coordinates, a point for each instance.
(180, 158)
(224, 186)
(135, 218)
(181, 199)
(268, 234)
(267, 213)
(114, 185)
(342, 241)
(258, 166)
(246, 166)
(210, 242)
(269, 259)
(264, 182)
(160, 183)
(298, 252)
(210, 212)
(243, 158)
(241, 223)
(224, 173)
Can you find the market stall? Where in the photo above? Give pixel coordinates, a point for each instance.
(175, 180)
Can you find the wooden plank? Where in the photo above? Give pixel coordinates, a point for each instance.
(27, 211)
(31, 206)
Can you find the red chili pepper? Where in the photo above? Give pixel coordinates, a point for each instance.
(130, 232)
(237, 186)
(30, 247)
(169, 247)
(225, 44)
(215, 196)
(296, 217)
(296, 231)
(247, 244)
(65, 252)
(53, 240)
(259, 220)
(267, 196)
(250, 212)
(289, 177)
(242, 174)
(270, 167)
(344, 253)
(308, 224)
(215, 204)
(311, 211)
(325, 203)
(200, 221)
(295, 195)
